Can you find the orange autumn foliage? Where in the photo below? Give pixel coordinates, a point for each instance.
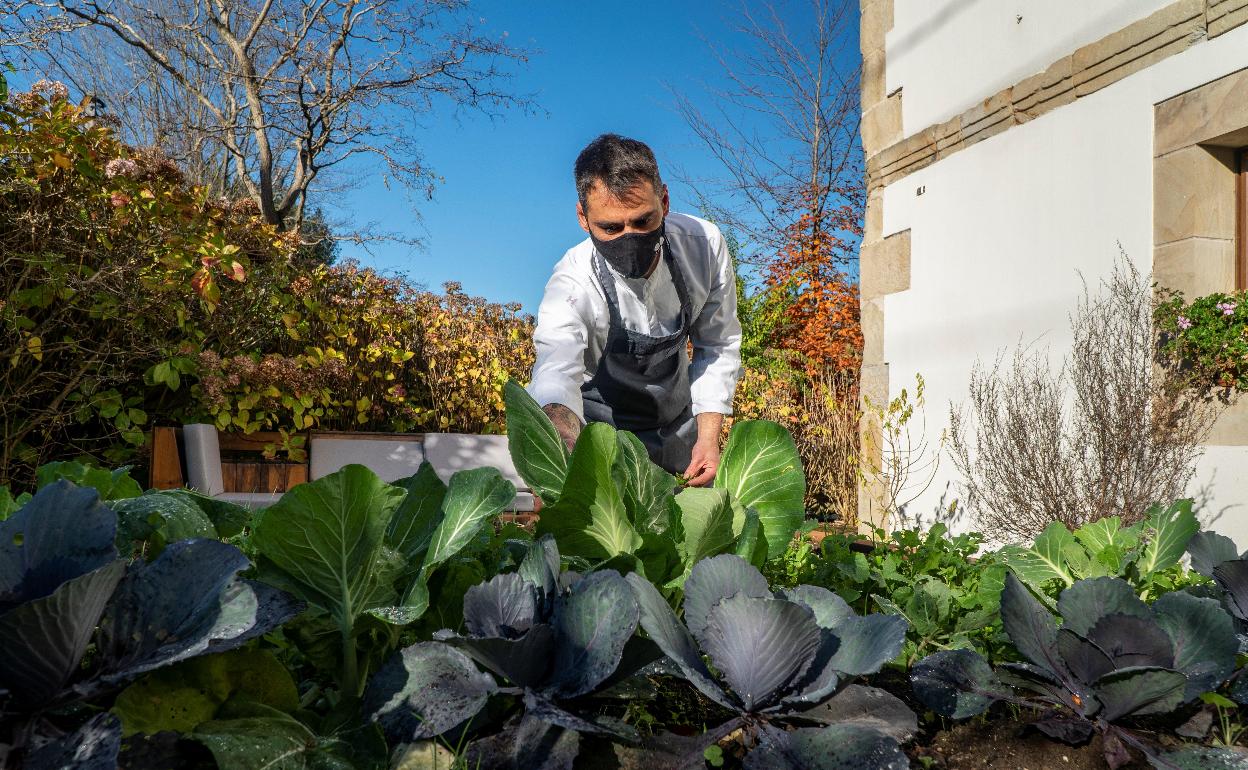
(822, 321)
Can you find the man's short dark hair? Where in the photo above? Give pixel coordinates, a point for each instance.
(619, 163)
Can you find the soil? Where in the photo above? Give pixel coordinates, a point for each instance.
(1001, 740)
(1006, 745)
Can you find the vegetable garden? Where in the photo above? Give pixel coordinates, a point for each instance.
(360, 624)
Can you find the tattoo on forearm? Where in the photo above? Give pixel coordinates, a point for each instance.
(566, 422)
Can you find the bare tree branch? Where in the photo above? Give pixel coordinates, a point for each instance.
(784, 129)
(261, 97)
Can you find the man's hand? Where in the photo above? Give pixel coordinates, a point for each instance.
(566, 422)
(704, 461)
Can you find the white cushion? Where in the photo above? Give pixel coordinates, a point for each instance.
(251, 500)
(525, 502)
(203, 459)
(451, 452)
(390, 458)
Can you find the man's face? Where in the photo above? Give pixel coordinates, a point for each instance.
(606, 217)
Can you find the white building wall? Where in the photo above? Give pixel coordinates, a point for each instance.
(947, 55)
(1004, 228)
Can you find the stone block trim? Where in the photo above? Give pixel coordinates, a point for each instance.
(1194, 195)
(1231, 427)
(873, 386)
(1226, 15)
(884, 266)
(1046, 91)
(1212, 113)
(1196, 267)
(872, 320)
(1139, 45)
(1085, 71)
(882, 260)
(881, 124)
(881, 111)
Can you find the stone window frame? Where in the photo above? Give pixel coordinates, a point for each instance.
(1241, 227)
(1200, 204)
(1198, 136)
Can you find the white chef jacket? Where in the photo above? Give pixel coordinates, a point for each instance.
(573, 319)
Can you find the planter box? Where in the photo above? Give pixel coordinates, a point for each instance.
(255, 477)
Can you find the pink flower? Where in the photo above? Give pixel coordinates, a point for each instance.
(1227, 308)
(52, 90)
(121, 167)
(1184, 323)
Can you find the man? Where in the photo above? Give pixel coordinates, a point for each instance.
(622, 307)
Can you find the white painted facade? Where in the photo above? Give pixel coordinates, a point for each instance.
(1005, 227)
(950, 54)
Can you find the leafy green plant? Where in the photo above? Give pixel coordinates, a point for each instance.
(1216, 556)
(787, 660)
(185, 695)
(761, 470)
(150, 521)
(1207, 338)
(1229, 728)
(1145, 554)
(946, 590)
(608, 505)
(9, 504)
(146, 521)
(1113, 657)
(60, 578)
(355, 547)
(555, 639)
(115, 484)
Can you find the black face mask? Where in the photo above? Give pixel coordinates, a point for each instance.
(631, 254)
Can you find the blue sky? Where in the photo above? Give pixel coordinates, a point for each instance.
(505, 212)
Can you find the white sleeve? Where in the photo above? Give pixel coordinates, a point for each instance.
(560, 338)
(716, 337)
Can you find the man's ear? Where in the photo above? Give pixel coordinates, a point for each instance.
(666, 202)
(580, 217)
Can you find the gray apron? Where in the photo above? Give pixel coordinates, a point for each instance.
(642, 382)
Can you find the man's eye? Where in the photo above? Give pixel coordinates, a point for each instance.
(611, 229)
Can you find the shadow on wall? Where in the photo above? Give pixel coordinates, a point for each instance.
(937, 21)
(1203, 504)
(952, 9)
(949, 510)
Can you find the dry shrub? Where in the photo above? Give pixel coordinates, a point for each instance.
(823, 416)
(1106, 433)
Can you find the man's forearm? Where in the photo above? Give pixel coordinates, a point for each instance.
(709, 426)
(566, 423)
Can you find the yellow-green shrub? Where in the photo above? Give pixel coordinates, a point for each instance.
(128, 296)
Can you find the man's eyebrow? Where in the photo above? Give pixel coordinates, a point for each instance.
(643, 217)
(646, 217)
